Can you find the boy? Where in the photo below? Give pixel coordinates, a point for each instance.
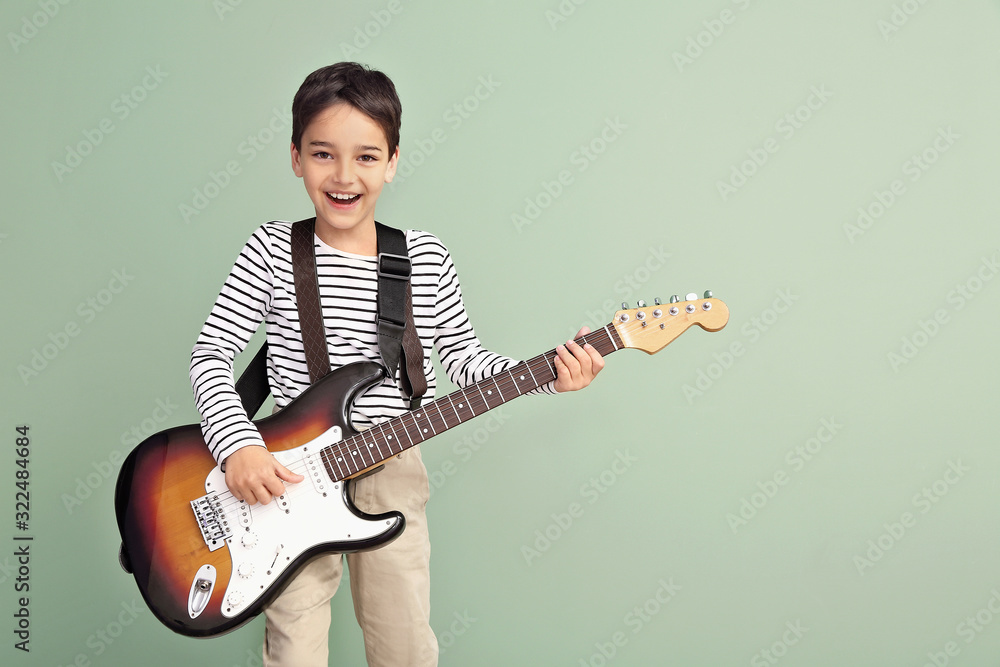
(345, 148)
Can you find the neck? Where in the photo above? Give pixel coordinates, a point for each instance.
(357, 240)
(367, 449)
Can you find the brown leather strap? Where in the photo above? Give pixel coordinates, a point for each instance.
(307, 299)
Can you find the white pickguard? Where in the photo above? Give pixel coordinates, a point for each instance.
(310, 513)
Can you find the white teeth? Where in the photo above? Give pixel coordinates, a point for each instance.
(336, 195)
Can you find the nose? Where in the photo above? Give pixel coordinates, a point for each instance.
(343, 171)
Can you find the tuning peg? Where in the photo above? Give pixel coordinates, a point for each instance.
(691, 297)
(708, 294)
(641, 304)
(674, 299)
(624, 305)
(656, 301)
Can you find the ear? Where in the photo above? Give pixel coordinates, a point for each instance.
(296, 161)
(390, 171)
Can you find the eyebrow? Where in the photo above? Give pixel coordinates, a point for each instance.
(327, 144)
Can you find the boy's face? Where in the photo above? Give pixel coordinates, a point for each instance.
(344, 162)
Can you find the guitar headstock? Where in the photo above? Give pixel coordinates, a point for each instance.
(651, 328)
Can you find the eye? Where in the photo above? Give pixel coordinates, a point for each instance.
(368, 158)
(323, 155)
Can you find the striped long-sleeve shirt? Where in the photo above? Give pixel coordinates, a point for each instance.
(261, 288)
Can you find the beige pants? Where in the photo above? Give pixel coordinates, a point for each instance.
(390, 585)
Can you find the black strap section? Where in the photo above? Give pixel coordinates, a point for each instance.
(397, 335)
(252, 385)
(393, 277)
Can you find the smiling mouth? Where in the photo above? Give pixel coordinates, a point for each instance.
(341, 198)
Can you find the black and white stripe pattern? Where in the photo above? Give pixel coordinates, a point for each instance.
(261, 287)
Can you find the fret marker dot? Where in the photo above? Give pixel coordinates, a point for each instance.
(425, 430)
(489, 393)
(522, 377)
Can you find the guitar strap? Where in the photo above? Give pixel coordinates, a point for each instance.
(397, 335)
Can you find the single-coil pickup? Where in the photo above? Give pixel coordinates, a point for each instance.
(317, 473)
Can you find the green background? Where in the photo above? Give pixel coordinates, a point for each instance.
(869, 345)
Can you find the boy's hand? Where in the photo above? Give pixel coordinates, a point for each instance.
(576, 366)
(254, 475)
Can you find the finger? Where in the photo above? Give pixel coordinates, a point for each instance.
(284, 473)
(581, 355)
(569, 360)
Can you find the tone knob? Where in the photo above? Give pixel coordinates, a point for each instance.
(235, 598)
(245, 569)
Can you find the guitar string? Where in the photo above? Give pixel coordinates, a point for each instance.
(506, 385)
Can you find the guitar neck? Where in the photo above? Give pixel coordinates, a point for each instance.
(381, 442)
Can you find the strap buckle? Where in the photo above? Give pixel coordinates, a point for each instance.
(394, 266)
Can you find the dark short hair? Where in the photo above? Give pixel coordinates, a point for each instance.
(365, 89)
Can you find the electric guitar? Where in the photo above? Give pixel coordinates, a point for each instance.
(207, 563)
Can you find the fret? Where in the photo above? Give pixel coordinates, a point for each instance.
(533, 379)
(514, 380)
(454, 409)
(608, 332)
(365, 448)
(464, 404)
(423, 431)
(444, 420)
(489, 392)
(394, 438)
(386, 438)
(548, 362)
